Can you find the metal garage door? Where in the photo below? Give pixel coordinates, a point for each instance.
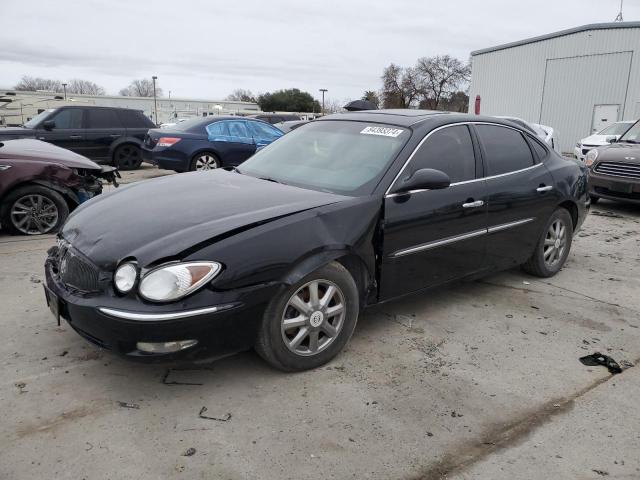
(575, 85)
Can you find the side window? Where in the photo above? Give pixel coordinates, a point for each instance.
(505, 149)
(218, 129)
(264, 132)
(70, 118)
(541, 152)
(134, 119)
(449, 150)
(103, 118)
(238, 130)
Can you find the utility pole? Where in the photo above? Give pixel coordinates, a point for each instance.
(155, 102)
(64, 85)
(619, 17)
(323, 90)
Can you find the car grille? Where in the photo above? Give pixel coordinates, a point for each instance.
(618, 169)
(76, 272)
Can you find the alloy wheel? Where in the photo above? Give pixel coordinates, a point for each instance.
(206, 161)
(555, 243)
(34, 214)
(128, 157)
(313, 317)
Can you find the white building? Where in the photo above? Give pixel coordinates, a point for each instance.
(577, 81)
(17, 107)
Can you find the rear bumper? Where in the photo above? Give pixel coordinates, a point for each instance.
(614, 188)
(229, 324)
(167, 159)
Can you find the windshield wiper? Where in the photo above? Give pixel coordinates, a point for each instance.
(269, 179)
(628, 141)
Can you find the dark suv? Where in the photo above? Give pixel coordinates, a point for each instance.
(103, 134)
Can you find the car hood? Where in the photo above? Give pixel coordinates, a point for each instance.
(620, 152)
(16, 132)
(596, 140)
(162, 218)
(30, 149)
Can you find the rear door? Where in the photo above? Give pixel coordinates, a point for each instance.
(241, 145)
(262, 133)
(433, 236)
(67, 132)
(103, 128)
(520, 191)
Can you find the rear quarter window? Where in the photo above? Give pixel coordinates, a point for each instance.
(134, 119)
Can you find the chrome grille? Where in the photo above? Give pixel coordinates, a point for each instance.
(76, 272)
(619, 169)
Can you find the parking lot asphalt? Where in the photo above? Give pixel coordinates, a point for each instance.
(476, 380)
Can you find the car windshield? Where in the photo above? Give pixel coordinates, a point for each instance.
(337, 156)
(632, 135)
(38, 118)
(615, 129)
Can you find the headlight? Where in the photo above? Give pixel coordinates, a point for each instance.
(125, 277)
(176, 280)
(591, 157)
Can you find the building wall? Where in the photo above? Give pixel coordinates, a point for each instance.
(558, 81)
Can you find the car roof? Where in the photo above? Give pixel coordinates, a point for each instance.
(413, 117)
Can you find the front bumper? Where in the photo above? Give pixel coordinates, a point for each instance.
(221, 322)
(614, 188)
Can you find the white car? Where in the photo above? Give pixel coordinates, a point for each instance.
(543, 132)
(603, 137)
(173, 123)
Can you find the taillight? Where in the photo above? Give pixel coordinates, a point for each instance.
(167, 141)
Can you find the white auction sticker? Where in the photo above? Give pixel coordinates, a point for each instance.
(384, 131)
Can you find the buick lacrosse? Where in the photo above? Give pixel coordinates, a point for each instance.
(283, 252)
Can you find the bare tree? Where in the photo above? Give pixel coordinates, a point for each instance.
(241, 95)
(371, 96)
(439, 78)
(400, 87)
(140, 88)
(85, 87)
(31, 84)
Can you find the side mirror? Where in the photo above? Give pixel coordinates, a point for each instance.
(425, 179)
(612, 139)
(48, 124)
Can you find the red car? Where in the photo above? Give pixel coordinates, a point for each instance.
(41, 183)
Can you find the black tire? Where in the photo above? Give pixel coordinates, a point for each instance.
(25, 196)
(594, 199)
(209, 158)
(127, 157)
(536, 265)
(270, 343)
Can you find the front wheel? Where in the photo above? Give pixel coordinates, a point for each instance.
(33, 210)
(310, 322)
(553, 247)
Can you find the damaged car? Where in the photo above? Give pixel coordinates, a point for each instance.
(283, 252)
(41, 183)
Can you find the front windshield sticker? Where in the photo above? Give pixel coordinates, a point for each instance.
(384, 131)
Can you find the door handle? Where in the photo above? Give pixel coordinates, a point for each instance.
(75, 137)
(476, 204)
(543, 188)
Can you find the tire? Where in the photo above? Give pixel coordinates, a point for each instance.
(127, 157)
(275, 343)
(559, 230)
(204, 161)
(594, 199)
(45, 211)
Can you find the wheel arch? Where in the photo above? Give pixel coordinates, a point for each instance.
(68, 194)
(573, 211)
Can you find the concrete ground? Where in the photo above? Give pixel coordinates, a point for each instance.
(479, 380)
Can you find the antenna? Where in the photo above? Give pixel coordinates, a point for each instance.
(619, 17)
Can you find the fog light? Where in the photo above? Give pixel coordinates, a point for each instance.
(165, 347)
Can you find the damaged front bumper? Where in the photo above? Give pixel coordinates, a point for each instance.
(208, 323)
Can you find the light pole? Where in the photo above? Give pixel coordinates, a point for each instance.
(155, 102)
(64, 85)
(323, 90)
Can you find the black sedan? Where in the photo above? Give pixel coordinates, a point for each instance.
(207, 143)
(282, 253)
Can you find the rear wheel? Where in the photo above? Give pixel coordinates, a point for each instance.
(553, 247)
(204, 161)
(33, 210)
(310, 322)
(127, 157)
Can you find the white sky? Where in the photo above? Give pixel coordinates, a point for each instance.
(208, 48)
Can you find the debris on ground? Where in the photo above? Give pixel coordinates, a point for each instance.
(189, 452)
(600, 213)
(174, 382)
(64, 352)
(129, 405)
(35, 279)
(224, 418)
(600, 359)
(602, 473)
(20, 386)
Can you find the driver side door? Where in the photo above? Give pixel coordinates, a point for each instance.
(67, 131)
(435, 236)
